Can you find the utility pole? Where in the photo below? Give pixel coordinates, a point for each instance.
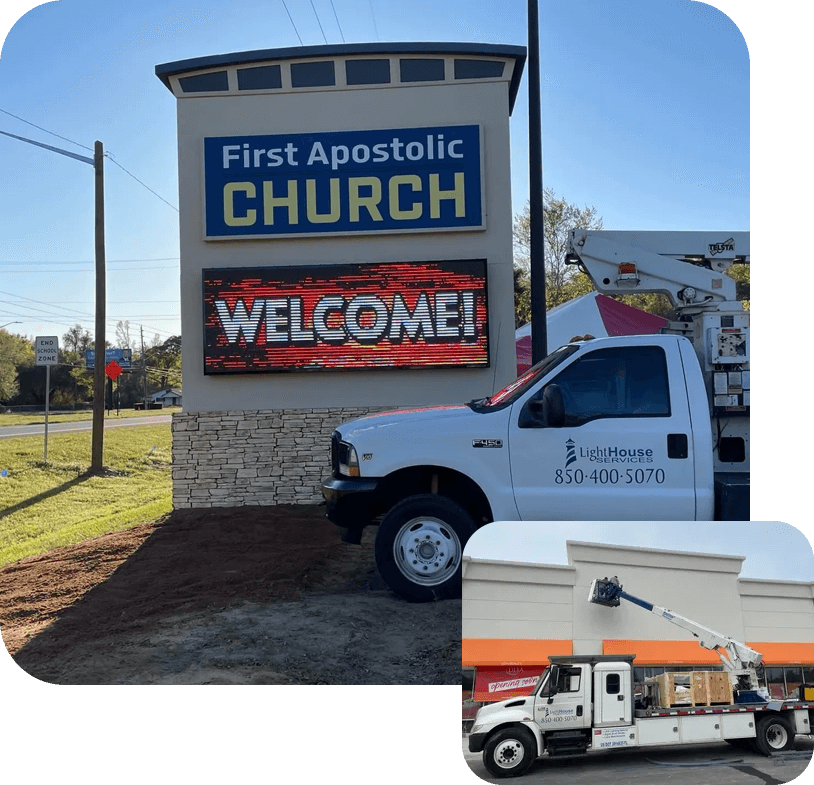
(97, 439)
(97, 162)
(144, 367)
(539, 333)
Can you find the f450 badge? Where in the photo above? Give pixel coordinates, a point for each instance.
(487, 442)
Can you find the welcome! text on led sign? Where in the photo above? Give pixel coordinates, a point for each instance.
(318, 317)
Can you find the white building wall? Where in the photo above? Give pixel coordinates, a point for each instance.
(682, 582)
(774, 610)
(509, 600)
(517, 601)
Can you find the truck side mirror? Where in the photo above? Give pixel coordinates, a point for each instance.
(553, 681)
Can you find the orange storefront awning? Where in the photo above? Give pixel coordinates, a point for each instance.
(495, 652)
(785, 653)
(690, 653)
(662, 652)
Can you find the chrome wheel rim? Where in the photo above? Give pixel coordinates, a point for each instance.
(427, 551)
(508, 754)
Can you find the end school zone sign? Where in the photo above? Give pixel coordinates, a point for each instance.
(347, 182)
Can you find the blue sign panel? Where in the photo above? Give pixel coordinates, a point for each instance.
(122, 356)
(344, 182)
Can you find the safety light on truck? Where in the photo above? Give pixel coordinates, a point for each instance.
(628, 274)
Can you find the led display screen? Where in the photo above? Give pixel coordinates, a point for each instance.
(334, 317)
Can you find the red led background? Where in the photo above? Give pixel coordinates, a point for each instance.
(385, 281)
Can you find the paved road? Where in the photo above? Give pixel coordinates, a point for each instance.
(83, 425)
(715, 762)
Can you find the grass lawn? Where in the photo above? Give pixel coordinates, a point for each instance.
(38, 418)
(46, 506)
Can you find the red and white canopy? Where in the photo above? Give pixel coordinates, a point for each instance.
(592, 313)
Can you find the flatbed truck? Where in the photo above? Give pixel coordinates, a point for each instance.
(587, 702)
(584, 703)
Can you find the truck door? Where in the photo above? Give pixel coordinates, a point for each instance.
(624, 448)
(560, 704)
(612, 698)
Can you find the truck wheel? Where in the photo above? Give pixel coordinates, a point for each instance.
(419, 547)
(773, 734)
(510, 752)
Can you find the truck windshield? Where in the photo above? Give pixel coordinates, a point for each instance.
(541, 681)
(511, 392)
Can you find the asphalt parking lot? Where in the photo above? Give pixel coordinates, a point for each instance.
(702, 763)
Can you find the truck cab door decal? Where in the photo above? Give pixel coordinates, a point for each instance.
(609, 459)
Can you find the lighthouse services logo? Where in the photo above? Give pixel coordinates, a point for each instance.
(570, 453)
(612, 454)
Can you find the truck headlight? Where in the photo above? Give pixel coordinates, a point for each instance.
(348, 460)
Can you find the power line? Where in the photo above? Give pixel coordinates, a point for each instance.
(375, 26)
(109, 156)
(85, 270)
(337, 22)
(292, 23)
(29, 318)
(65, 138)
(318, 22)
(74, 316)
(90, 261)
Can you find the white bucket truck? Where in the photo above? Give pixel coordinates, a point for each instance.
(583, 703)
(646, 427)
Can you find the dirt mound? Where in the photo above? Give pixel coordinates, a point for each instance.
(233, 595)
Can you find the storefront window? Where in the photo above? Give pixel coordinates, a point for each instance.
(775, 682)
(794, 678)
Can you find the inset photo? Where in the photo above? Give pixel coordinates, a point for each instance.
(616, 651)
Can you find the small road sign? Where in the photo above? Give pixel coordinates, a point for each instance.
(46, 350)
(113, 369)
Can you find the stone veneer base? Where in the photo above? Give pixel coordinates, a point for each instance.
(244, 457)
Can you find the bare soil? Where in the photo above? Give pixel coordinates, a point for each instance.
(250, 595)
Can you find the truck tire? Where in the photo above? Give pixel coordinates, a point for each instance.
(419, 547)
(773, 734)
(510, 752)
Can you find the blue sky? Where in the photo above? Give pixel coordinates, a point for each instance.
(645, 117)
(772, 550)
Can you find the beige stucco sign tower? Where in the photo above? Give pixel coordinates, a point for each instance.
(346, 245)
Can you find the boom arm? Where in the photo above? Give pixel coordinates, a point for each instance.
(687, 267)
(734, 655)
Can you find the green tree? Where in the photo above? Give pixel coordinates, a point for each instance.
(15, 352)
(563, 282)
(164, 362)
(75, 343)
(740, 272)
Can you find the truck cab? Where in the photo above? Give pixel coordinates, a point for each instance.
(577, 704)
(594, 692)
(603, 429)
